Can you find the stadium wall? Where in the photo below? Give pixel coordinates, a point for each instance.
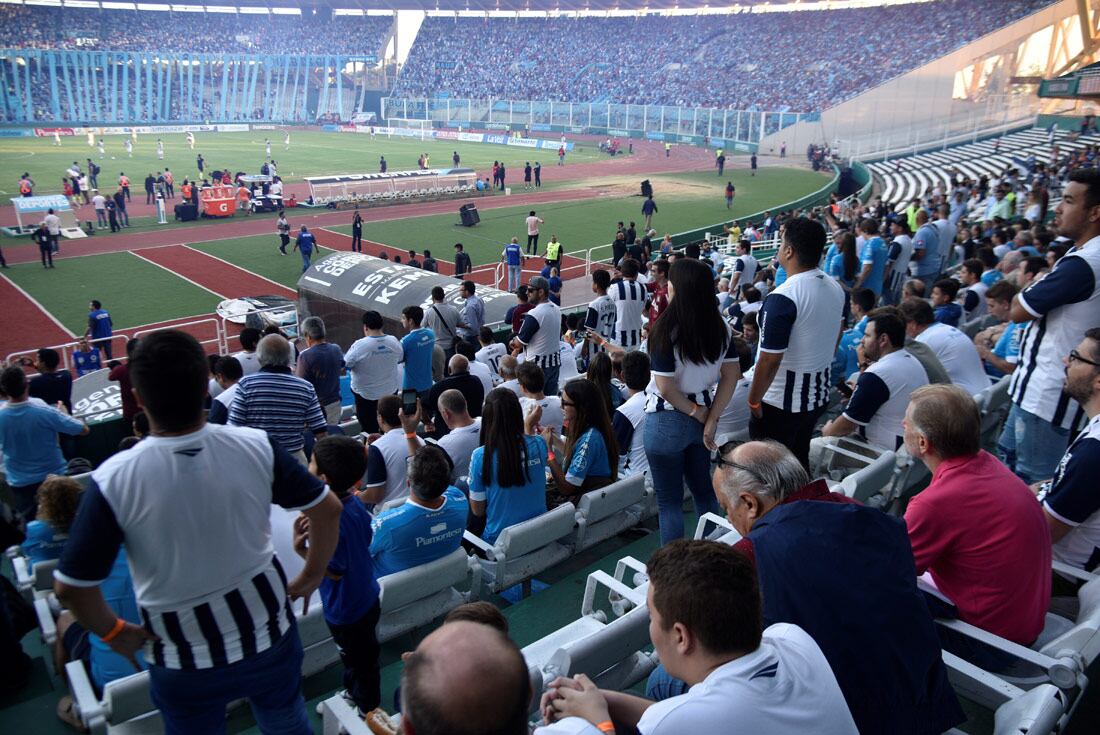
(919, 110)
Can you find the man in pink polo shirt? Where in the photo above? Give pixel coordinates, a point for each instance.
(977, 528)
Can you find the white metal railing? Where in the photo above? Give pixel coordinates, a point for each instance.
(590, 259)
(657, 121)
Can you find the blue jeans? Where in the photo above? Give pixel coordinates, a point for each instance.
(513, 277)
(1031, 446)
(674, 447)
(305, 260)
(662, 685)
(195, 701)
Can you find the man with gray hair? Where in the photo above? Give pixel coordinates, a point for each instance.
(321, 364)
(277, 401)
(507, 371)
(844, 574)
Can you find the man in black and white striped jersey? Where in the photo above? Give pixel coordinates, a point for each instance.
(191, 502)
(540, 333)
(1057, 308)
(799, 327)
(630, 299)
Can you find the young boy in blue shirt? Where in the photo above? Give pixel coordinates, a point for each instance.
(944, 307)
(349, 592)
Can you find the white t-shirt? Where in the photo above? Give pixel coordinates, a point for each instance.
(459, 444)
(99, 202)
(552, 414)
(633, 460)
(372, 362)
(882, 395)
(959, 356)
(512, 385)
(491, 355)
(250, 363)
(568, 356)
(533, 225)
(394, 449)
(784, 687)
(482, 372)
(735, 417)
(226, 396)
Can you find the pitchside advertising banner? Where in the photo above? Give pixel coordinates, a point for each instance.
(27, 205)
(143, 130)
(341, 286)
(491, 138)
(415, 174)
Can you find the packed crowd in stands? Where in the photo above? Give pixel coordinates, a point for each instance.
(26, 26)
(731, 61)
(697, 367)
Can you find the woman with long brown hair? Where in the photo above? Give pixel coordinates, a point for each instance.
(590, 456)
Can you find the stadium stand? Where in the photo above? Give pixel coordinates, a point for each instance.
(37, 27)
(906, 178)
(690, 61)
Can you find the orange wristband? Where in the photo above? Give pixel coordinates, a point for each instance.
(410, 435)
(606, 726)
(119, 625)
(755, 405)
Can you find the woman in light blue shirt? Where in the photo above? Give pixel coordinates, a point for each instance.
(589, 442)
(508, 472)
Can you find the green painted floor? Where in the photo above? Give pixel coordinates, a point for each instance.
(31, 711)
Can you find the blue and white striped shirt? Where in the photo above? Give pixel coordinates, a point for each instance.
(281, 404)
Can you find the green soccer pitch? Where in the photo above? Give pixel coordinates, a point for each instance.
(685, 201)
(310, 154)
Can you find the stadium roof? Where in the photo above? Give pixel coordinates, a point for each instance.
(481, 6)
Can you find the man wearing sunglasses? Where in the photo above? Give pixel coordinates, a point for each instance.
(1070, 500)
(844, 574)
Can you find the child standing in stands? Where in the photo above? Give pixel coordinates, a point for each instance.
(349, 592)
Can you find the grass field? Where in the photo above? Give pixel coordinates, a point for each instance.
(135, 291)
(310, 154)
(685, 201)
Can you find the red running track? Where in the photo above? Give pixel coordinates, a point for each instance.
(26, 317)
(223, 278)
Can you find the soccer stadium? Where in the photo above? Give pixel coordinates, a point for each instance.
(792, 308)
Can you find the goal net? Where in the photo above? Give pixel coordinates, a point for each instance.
(416, 128)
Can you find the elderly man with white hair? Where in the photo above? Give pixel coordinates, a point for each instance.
(276, 401)
(844, 574)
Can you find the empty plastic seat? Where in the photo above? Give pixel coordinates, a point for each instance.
(607, 511)
(525, 549)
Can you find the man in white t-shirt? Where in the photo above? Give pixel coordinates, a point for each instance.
(507, 368)
(100, 203)
(249, 338)
(464, 433)
(372, 362)
(531, 384)
(628, 420)
(387, 465)
(744, 268)
(953, 348)
(533, 222)
(706, 626)
(887, 378)
(491, 351)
